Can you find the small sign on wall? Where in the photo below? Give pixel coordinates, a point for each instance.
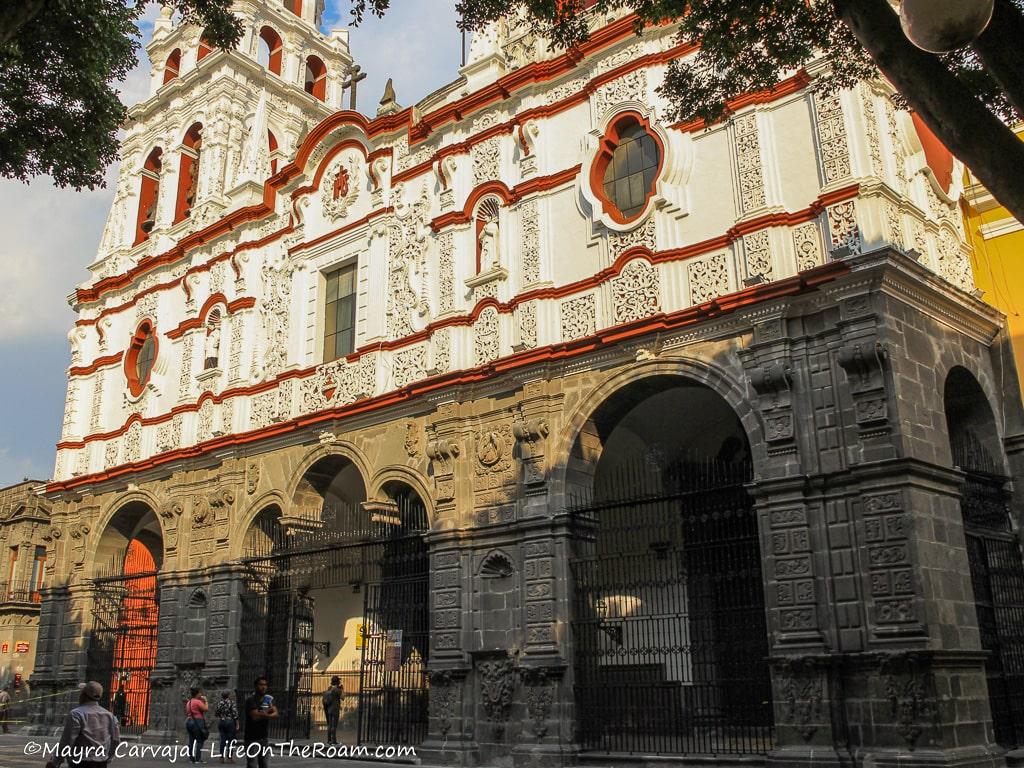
(360, 635)
(5, 648)
(21, 647)
(393, 651)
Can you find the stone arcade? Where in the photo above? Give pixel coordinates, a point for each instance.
(555, 429)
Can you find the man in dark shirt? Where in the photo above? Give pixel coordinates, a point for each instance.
(259, 711)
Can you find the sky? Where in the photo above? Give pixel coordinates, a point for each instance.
(50, 234)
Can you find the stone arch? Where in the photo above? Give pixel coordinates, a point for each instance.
(971, 424)
(134, 513)
(667, 583)
(248, 517)
(697, 371)
(399, 474)
(341, 448)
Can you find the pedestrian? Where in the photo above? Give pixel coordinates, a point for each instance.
(195, 724)
(332, 708)
(5, 706)
(91, 733)
(227, 725)
(259, 711)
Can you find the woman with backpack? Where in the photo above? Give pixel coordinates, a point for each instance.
(332, 709)
(195, 724)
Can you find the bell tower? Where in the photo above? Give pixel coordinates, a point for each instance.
(218, 123)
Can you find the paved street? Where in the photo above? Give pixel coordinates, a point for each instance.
(18, 751)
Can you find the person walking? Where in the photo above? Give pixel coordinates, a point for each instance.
(332, 708)
(259, 711)
(195, 723)
(91, 733)
(5, 706)
(227, 725)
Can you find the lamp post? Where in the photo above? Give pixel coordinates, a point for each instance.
(940, 26)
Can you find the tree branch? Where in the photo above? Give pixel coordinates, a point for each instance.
(967, 128)
(17, 15)
(999, 48)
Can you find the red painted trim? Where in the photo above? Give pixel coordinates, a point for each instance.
(603, 159)
(95, 365)
(341, 230)
(456, 217)
(521, 78)
(558, 292)
(230, 307)
(787, 87)
(802, 283)
(146, 329)
(525, 76)
(538, 184)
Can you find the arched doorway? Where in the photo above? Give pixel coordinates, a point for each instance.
(125, 613)
(339, 587)
(993, 550)
(669, 631)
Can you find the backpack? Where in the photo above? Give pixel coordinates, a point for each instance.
(328, 697)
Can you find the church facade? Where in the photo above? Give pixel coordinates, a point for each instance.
(557, 429)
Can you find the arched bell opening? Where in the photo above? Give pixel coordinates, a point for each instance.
(122, 642)
(993, 549)
(669, 630)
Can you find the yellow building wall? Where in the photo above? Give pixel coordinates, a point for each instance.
(997, 241)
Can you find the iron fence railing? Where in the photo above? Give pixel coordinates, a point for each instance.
(19, 592)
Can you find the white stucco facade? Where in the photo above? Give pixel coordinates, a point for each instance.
(793, 179)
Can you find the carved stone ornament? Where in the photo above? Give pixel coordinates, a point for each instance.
(863, 362)
(252, 477)
(443, 453)
(497, 684)
(772, 379)
(540, 696)
(802, 693)
(412, 439)
(444, 695)
(491, 448)
(909, 687)
(340, 187)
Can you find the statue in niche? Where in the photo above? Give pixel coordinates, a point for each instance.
(212, 350)
(487, 240)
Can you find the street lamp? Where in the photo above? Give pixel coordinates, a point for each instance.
(940, 26)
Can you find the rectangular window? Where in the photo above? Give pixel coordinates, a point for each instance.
(340, 313)
(12, 571)
(37, 573)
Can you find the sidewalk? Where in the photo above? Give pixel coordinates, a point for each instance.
(17, 751)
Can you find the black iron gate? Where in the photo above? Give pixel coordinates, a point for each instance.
(997, 578)
(669, 626)
(277, 643)
(379, 552)
(122, 645)
(392, 674)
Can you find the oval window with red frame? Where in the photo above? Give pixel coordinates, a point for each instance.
(627, 167)
(138, 364)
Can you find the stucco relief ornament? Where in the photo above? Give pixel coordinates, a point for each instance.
(407, 271)
(272, 354)
(340, 188)
(636, 292)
